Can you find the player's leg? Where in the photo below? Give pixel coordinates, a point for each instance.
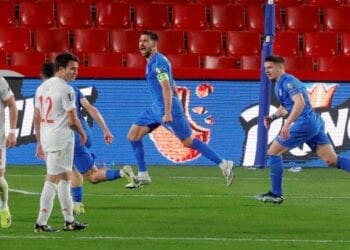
(5, 216)
(77, 191)
(328, 155)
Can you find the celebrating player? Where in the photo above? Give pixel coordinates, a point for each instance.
(7, 99)
(166, 110)
(303, 125)
(54, 118)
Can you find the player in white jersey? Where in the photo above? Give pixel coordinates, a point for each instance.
(54, 118)
(7, 99)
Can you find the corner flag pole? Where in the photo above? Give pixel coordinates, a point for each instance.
(265, 86)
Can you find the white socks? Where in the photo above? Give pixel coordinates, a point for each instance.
(4, 193)
(46, 202)
(65, 200)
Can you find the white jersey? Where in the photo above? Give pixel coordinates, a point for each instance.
(54, 98)
(5, 94)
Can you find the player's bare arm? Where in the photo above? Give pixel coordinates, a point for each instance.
(96, 115)
(11, 137)
(167, 97)
(36, 122)
(75, 124)
(280, 112)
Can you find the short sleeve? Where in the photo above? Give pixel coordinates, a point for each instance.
(293, 88)
(5, 90)
(162, 70)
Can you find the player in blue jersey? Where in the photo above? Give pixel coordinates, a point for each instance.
(166, 110)
(302, 125)
(84, 159)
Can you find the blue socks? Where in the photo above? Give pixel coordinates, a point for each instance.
(343, 163)
(206, 151)
(112, 174)
(139, 153)
(276, 165)
(77, 193)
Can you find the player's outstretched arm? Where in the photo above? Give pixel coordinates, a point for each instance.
(97, 116)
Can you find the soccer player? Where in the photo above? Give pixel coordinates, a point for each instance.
(84, 159)
(6, 99)
(166, 110)
(302, 125)
(55, 119)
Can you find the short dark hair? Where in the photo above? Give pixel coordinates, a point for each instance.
(275, 59)
(63, 59)
(48, 69)
(151, 34)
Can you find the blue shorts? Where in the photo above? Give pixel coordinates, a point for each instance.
(310, 131)
(179, 126)
(83, 160)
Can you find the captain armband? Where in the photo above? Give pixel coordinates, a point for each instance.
(163, 76)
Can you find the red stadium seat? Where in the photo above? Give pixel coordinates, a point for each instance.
(133, 60)
(51, 40)
(286, 44)
(345, 44)
(220, 62)
(250, 2)
(205, 42)
(227, 17)
(25, 58)
(3, 58)
(90, 40)
(213, 1)
(346, 1)
(184, 61)
(285, 3)
(50, 56)
(298, 63)
(333, 63)
(123, 41)
(111, 15)
(336, 18)
(14, 39)
(255, 18)
(151, 16)
(320, 44)
(7, 14)
(101, 60)
(325, 2)
(303, 19)
(171, 42)
(243, 43)
(36, 14)
(74, 15)
(250, 62)
(189, 17)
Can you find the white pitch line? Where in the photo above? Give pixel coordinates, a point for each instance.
(201, 239)
(23, 192)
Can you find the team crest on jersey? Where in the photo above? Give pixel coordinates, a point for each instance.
(290, 85)
(159, 70)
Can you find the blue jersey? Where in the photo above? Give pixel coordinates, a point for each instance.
(287, 87)
(157, 69)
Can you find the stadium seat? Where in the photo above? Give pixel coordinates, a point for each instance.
(133, 60)
(3, 58)
(227, 17)
(213, 1)
(184, 61)
(286, 44)
(345, 44)
(95, 59)
(205, 42)
(26, 58)
(14, 39)
(324, 3)
(250, 62)
(111, 15)
(171, 42)
(67, 15)
(243, 43)
(189, 17)
(90, 40)
(285, 3)
(298, 63)
(36, 14)
(51, 40)
(320, 44)
(255, 18)
(7, 14)
(250, 2)
(336, 18)
(346, 2)
(123, 41)
(333, 63)
(50, 56)
(220, 62)
(303, 19)
(151, 16)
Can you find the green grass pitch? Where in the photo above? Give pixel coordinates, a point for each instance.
(190, 208)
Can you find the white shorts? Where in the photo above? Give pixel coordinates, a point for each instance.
(2, 157)
(61, 161)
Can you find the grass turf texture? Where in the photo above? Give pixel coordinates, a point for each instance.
(190, 208)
